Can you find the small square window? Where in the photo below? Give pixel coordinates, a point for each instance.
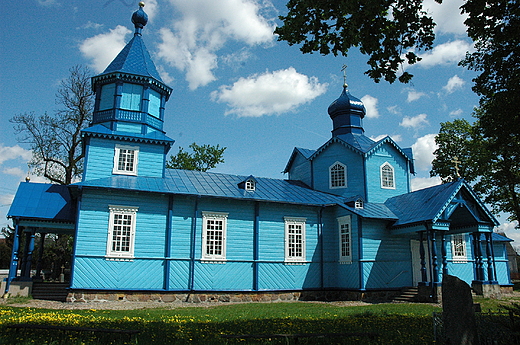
(125, 160)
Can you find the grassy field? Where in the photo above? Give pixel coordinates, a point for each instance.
(394, 324)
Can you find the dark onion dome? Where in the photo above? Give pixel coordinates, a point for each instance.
(347, 104)
(139, 18)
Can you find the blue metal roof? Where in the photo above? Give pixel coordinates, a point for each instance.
(217, 185)
(373, 210)
(428, 204)
(104, 132)
(42, 201)
(134, 59)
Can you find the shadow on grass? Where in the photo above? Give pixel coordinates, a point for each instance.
(391, 329)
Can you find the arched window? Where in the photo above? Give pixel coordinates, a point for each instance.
(387, 176)
(338, 175)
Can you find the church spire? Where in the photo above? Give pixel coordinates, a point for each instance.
(347, 112)
(130, 95)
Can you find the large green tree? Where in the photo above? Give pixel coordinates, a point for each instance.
(202, 158)
(55, 138)
(390, 32)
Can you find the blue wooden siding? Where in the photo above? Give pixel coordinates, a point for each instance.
(386, 259)
(386, 153)
(129, 127)
(301, 170)
(100, 159)
(352, 160)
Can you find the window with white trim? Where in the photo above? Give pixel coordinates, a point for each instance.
(294, 239)
(337, 175)
(250, 185)
(387, 176)
(125, 160)
(458, 248)
(121, 232)
(345, 239)
(214, 226)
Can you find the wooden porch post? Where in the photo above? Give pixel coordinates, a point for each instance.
(422, 253)
(435, 263)
(490, 259)
(14, 257)
(38, 274)
(479, 270)
(444, 255)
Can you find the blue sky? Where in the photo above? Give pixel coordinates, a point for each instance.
(233, 83)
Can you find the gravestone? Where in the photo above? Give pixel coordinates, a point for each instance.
(458, 315)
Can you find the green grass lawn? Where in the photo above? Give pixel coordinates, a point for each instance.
(394, 323)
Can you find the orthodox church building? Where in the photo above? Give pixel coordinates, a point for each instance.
(344, 223)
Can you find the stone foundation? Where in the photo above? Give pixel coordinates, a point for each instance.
(487, 290)
(18, 288)
(76, 296)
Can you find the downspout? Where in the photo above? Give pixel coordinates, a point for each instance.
(256, 237)
(320, 239)
(168, 244)
(74, 246)
(192, 244)
(14, 257)
(360, 254)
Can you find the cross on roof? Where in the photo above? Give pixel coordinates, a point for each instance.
(344, 69)
(456, 161)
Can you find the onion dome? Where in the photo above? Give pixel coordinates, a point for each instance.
(346, 113)
(139, 18)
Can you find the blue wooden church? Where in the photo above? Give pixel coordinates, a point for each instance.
(345, 223)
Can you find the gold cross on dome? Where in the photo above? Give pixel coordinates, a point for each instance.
(344, 70)
(456, 161)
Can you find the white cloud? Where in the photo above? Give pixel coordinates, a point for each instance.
(151, 8)
(423, 152)
(415, 122)
(48, 3)
(449, 53)
(370, 106)
(6, 199)
(414, 96)
(395, 137)
(269, 93)
(456, 113)
(424, 182)
(509, 228)
(191, 44)
(103, 48)
(14, 152)
(394, 109)
(447, 16)
(454, 83)
(15, 171)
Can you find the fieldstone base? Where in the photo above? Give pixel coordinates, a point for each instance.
(18, 288)
(429, 294)
(487, 290)
(76, 296)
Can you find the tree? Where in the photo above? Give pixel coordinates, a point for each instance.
(487, 162)
(388, 31)
(55, 139)
(202, 158)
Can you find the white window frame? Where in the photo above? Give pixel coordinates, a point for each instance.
(335, 179)
(250, 185)
(459, 253)
(117, 154)
(345, 239)
(208, 244)
(359, 204)
(118, 216)
(384, 179)
(295, 239)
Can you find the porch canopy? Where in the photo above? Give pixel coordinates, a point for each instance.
(38, 208)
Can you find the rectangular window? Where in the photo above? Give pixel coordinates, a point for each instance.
(125, 160)
(338, 175)
(458, 248)
(107, 97)
(294, 239)
(345, 239)
(154, 103)
(131, 97)
(214, 226)
(121, 232)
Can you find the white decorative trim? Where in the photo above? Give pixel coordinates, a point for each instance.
(217, 217)
(337, 184)
(299, 245)
(345, 238)
(121, 211)
(135, 157)
(381, 175)
(459, 239)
